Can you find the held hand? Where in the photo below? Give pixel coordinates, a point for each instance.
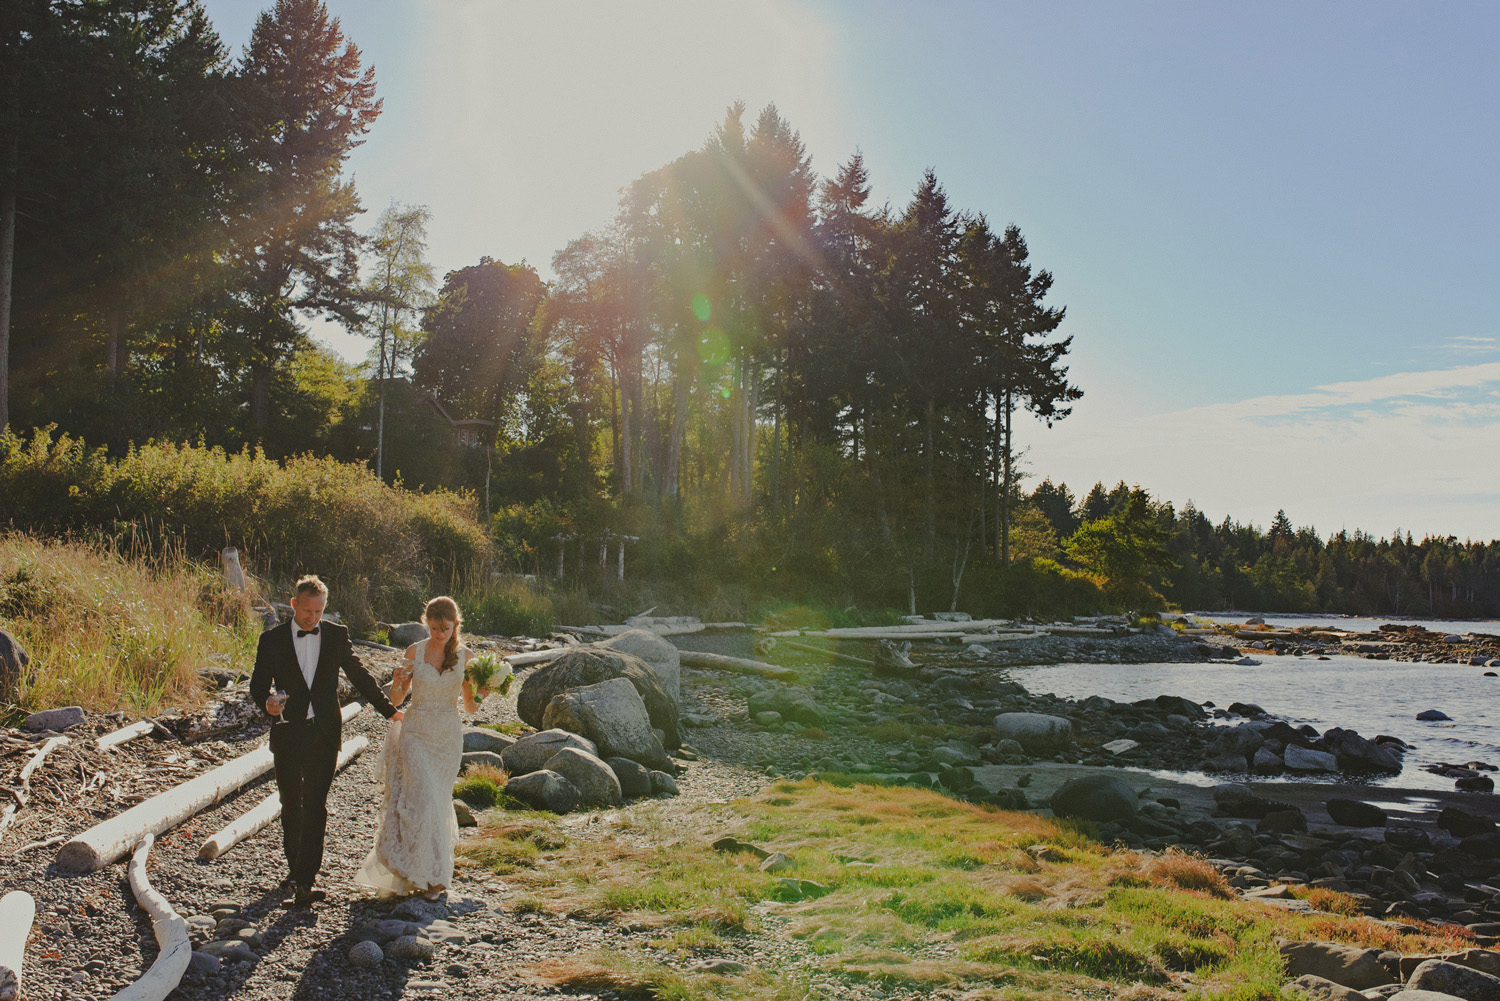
(398, 717)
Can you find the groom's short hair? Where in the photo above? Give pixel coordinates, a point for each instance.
(311, 584)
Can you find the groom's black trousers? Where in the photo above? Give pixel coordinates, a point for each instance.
(305, 757)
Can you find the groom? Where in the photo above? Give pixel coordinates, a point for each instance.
(302, 658)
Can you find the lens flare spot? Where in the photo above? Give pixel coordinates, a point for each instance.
(702, 308)
(724, 392)
(713, 346)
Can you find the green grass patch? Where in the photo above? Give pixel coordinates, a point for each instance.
(909, 887)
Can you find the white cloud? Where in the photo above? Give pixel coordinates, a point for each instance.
(1410, 449)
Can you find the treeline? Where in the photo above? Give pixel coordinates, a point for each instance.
(757, 373)
(1160, 553)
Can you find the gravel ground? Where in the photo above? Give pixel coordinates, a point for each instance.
(90, 939)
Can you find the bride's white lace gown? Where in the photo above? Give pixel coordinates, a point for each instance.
(418, 830)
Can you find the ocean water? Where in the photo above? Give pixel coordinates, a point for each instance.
(1352, 623)
(1369, 696)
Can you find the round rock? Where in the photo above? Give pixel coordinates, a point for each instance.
(365, 955)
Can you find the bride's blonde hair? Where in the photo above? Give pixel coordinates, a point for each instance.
(445, 609)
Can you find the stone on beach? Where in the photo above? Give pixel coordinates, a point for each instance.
(1450, 978)
(1432, 716)
(531, 752)
(591, 665)
(613, 716)
(1034, 731)
(595, 781)
(658, 653)
(1354, 813)
(482, 738)
(1095, 797)
(1348, 965)
(54, 719)
(545, 790)
(1305, 759)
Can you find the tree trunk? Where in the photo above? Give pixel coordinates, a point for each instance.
(679, 429)
(7, 269)
(1007, 470)
(114, 322)
(260, 396)
(380, 409)
(929, 533)
(627, 479)
(752, 404)
(614, 415)
(776, 455)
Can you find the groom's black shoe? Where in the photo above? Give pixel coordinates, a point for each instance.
(306, 896)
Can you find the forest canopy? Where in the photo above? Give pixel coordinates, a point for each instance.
(753, 371)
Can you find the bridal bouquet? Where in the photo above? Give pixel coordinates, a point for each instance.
(481, 672)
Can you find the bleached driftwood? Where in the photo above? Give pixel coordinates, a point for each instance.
(922, 630)
(171, 935)
(23, 793)
(253, 821)
(120, 736)
(535, 656)
(106, 842)
(823, 651)
(17, 912)
(736, 665)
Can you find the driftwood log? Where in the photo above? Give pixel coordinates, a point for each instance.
(736, 665)
(106, 842)
(22, 794)
(535, 656)
(825, 652)
(253, 821)
(171, 935)
(17, 912)
(125, 733)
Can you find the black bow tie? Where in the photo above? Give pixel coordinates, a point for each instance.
(308, 632)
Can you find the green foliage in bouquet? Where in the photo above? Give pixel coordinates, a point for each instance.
(482, 670)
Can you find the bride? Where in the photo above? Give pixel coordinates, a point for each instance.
(413, 850)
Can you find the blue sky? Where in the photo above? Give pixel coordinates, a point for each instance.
(1273, 224)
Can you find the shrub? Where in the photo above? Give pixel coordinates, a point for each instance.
(504, 607)
(482, 786)
(381, 548)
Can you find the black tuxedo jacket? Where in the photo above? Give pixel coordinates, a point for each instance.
(276, 667)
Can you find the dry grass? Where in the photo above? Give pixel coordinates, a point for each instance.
(108, 632)
(1186, 871)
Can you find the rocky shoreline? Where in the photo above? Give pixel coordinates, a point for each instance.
(956, 721)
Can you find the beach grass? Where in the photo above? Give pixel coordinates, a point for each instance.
(909, 888)
(108, 630)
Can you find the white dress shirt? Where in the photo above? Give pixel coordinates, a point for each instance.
(308, 647)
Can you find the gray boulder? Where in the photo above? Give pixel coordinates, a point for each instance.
(1243, 740)
(1326, 990)
(544, 790)
(1343, 964)
(591, 665)
(54, 719)
(595, 781)
(530, 753)
(613, 716)
(1354, 813)
(482, 738)
(1433, 716)
(1181, 706)
(404, 634)
(1410, 995)
(1095, 797)
(1356, 754)
(1034, 731)
(1266, 762)
(663, 784)
(659, 654)
(463, 814)
(791, 703)
(1450, 978)
(635, 778)
(412, 947)
(1305, 759)
(13, 661)
(204, 963)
